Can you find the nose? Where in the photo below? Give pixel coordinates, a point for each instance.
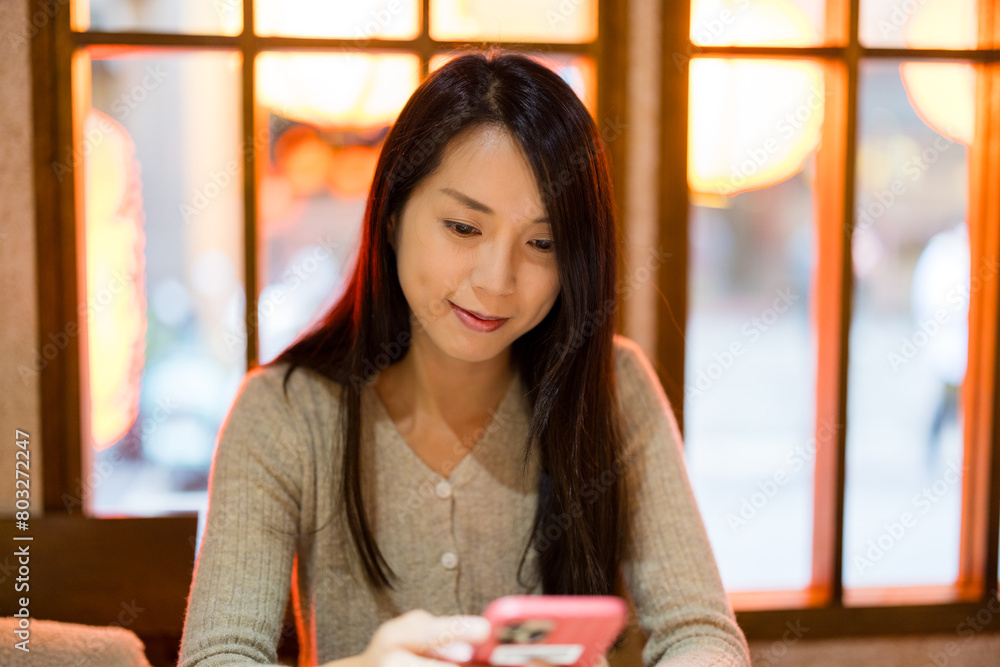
(494, 270)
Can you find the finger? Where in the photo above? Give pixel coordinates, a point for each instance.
(457, 651)
(419, 630)
(404, 658)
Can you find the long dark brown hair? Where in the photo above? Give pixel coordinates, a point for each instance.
(566, 362)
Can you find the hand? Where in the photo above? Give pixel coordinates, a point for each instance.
(602, 661)
(534, 662)
(415, 639)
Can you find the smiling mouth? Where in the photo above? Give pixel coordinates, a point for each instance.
(477, 315)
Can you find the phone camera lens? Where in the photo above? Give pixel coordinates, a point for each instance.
(509, 633)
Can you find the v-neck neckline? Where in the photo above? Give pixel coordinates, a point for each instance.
(382, 418)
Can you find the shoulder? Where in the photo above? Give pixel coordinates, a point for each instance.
(627, 352)
(270, 387)
(633, 370)
(643, 401)
(267, 405)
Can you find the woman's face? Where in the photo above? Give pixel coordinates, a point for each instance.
(473, 235)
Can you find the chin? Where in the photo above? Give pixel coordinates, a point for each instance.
(469, 349)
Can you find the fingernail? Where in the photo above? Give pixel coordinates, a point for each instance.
(457, 652)
(477, 627)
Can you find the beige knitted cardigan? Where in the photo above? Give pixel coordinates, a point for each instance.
(455, 543)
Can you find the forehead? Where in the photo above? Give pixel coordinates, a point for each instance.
(488, 160)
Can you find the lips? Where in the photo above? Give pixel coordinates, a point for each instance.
(477, 323)
(485, 318)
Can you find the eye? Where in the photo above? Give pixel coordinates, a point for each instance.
(545, 245)
(461, 229)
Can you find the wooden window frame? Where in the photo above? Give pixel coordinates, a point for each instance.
(825, 607)
(121, 546)
(52, 49)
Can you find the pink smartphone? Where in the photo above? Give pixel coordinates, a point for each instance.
(559, 629)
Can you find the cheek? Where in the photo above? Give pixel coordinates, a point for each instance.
(428, 277)
(413, 261)
(544, 284)
(549, 278)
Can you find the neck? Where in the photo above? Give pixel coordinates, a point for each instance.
(453, 390)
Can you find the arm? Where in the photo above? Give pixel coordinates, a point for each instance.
(670, 570)
(243, 573)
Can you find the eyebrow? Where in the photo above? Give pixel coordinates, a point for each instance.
(469, 202)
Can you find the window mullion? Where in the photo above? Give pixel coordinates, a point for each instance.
(672, 205)
(59, 287)
(249, 47)
(834, 219)
(980, 485)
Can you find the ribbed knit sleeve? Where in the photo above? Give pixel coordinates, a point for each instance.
(670, 570)
(242, 576)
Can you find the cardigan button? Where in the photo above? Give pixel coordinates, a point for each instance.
(449, 560)
(443, 490)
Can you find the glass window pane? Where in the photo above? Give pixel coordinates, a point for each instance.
(200, 17)
(909, 329)
(758, 22)
(751, 359)
(162, 270)
(776, 127)
(323, 142)
(514, 20)
(358, 19)
(927, 24)
(576, 70)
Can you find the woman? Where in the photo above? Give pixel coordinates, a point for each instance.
(464, 423)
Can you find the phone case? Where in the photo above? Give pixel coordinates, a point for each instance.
(559, 629)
